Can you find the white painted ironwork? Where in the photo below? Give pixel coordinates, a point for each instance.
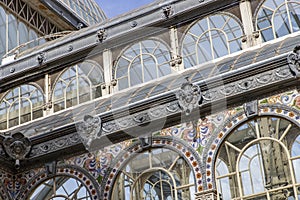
(20, 105)
(77, 84)
(142, 62)
(210, 38)
(155, 174)
(260, 165)
(276, 18)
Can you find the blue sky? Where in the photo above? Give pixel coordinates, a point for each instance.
(113, 8)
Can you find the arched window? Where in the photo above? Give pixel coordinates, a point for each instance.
(77, 84)
(20, 105)
(158, 173)
(276, 18)
(61, 187)
(261, 161)
(142, 62)
(210, 38)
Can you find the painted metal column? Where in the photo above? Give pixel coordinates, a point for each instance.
(251, 37)
(48, 106)
(176, 62)
(107, 87)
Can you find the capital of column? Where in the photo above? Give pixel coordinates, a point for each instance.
(206, 195)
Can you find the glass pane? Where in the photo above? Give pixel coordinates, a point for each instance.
(150, 68)
(214, 32)
(281, 22)
(204, 49)
(135, 72)
(142, 60)
(2, 32)
(12, 32)
(220, 45)
(294, 9)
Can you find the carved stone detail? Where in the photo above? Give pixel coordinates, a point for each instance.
(17, 146)
(176, 60)
(47, 106)
(167, 11)
(207, 97)
(55, 145)
(207, 195)
(101, 35)
(188, 97)
(90, 129)
(246, 84)
(41, 58)
(294, 61)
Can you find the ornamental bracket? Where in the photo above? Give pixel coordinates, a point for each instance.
(189, 97)
(167, 11)
(90, 129)
(101, 35)
(251, 108)
(294, 61)
(17, 146)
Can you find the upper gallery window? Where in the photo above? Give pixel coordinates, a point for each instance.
(142, 62)
(77, 84)
(20, 105)
(158, 173)
(276, 18)
(210, 38)
(260, 160)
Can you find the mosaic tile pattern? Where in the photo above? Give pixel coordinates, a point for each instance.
(286, 105)
(61, 171)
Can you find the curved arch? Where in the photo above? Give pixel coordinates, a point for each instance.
(154, 170)
(270, 14)
(180, 147)
(231, 29)
(157, 50)
(71, 171)
(291, 115)
(13, 99)
(68, 89)
(251, 144)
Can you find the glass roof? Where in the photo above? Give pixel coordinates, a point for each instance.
(88, 10)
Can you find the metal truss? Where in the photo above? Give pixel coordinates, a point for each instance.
(30, 16)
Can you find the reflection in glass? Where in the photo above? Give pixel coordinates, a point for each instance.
(142, 62)
(210, 38)
(277, 18)
(158, 173)
(257, 161)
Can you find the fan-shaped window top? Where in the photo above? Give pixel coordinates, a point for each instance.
(277, 18)
(61, 188)
(210, 38)
(260, 160)
(155, 174)
(77, 84)
(20, 105)
(142, 62)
